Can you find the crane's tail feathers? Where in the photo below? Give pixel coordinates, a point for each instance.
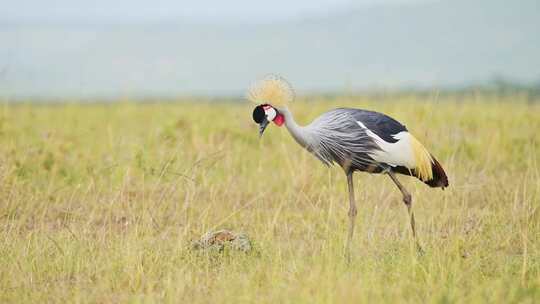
(423, 159)
(439, 178)
(428, 169)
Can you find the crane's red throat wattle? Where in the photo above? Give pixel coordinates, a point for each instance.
(279, 120)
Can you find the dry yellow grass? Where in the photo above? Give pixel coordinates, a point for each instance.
(99, 203)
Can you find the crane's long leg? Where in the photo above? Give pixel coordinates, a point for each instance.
(352, 212)
(407, 199)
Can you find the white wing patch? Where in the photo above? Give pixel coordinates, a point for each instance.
(395, 154)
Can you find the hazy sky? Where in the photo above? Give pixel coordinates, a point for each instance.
(144, 10)
(58, 48)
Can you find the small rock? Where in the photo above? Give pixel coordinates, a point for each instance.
(218, 240)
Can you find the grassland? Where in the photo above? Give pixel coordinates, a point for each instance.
(99, 204)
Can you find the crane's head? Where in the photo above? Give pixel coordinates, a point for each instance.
(264, 114)
(271, 93)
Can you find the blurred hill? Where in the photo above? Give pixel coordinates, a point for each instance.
(445, 44)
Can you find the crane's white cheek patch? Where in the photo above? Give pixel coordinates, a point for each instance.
(399, 153)
(270, 114)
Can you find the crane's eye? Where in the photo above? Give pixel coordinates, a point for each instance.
(258, 114)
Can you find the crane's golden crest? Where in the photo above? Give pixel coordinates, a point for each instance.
(272, 89)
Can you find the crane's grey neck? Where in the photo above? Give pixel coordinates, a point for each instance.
(300, 133)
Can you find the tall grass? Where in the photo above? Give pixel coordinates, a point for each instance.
(99, 203)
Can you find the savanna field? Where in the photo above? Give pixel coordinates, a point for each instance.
(100, 203)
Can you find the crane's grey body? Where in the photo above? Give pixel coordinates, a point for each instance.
(360, 140)
(337, 137)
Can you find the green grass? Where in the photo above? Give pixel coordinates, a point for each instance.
(99, 203)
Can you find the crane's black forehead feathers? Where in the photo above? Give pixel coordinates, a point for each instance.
(258, 114)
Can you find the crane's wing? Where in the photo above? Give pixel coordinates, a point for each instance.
(338, 138)
(382, 125)
(396, 146)
(370, 141)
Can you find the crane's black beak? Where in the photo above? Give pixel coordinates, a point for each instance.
(262, 126)
(259, 116)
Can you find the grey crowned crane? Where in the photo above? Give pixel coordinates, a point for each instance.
(356, 140)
